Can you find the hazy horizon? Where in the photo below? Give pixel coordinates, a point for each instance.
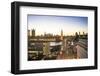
(54, 24)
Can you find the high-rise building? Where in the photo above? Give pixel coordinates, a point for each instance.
(33, 32)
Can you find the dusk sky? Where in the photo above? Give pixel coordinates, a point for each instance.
(54, 24)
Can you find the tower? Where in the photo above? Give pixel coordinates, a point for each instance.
(62, 47)
(83, 33)
(61, 34)
(79, 34)
(33, 32)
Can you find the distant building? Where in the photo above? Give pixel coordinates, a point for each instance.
(83, 33)
(48, 34)
(33, 32)
(62, 47)
(76, 39)
(61, 34)
(79, 34)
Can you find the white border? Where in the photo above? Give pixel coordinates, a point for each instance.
(26, 65)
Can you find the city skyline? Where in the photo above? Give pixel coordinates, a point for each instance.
(54, 24)
(33, 33)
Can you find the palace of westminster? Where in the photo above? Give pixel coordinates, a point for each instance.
(47, 45)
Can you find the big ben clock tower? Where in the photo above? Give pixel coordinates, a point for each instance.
(61, 34)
